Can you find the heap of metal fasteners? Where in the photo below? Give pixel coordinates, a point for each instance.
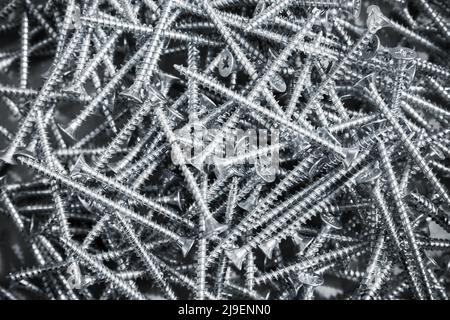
(99, 99)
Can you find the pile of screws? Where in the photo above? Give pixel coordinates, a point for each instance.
(99, 182)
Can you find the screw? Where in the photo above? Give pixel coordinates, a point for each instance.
(407, 142)
(184, 243)
(151, 56)
(347, 154)
(308, 263)
(24, 65)
(211, 225)
(100, 231)
(86, 112)
(440, 22)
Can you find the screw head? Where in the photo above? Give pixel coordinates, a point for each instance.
(134, 93)
(75, 277)
(186, 245)
(278, 83)
(310, 278)
(331, 220)
(370, 174)
(237, 256)
(356, 6)
(268, 247)
(403, 53)
(213, 227)
(226, 64)
(371, 49)
(348, 155)
(376, 20)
